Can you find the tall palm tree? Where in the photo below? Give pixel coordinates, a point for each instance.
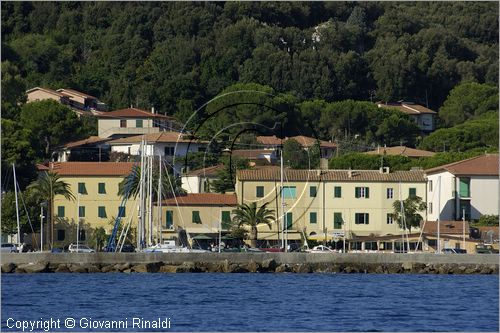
(45, 188)
(250, 216)
(410, 217)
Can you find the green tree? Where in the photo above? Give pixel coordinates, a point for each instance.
(251, 216)
(9, 219)
(467, 101)
(45, 188)
(226, 178)
(410, 216)
(487, 220)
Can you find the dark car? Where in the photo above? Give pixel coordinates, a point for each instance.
(57, 250)
(128, 248)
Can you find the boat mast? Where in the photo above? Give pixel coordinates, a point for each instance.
(17, 207)
(439, 217)
(159, 200)
(150, 200)
(282, 200)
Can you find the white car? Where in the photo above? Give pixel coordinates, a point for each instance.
(321, 249)
(9, 248)
(80, 249)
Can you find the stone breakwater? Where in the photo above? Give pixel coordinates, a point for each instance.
(249, 263)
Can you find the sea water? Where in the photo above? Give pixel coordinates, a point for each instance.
(249, 302)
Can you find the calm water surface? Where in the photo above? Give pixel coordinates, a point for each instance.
(257, 302)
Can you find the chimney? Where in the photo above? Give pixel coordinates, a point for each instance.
(153, 110)
(384, 170)
(349, 173)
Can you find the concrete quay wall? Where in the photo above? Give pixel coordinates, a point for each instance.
(423, 263)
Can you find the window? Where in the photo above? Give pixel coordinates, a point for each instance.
(81, 188)
(430, 185)
(313, 217)
(123, 123)
(337, 192)
(390, 193)
(102, 188)
(362, 192)
(81, 211)
(464, 187)
(289, 192)
(312, 191)
(289, 221)
(169, 151)
(101, 212)
(337, 221)
(61, 234)
(361, 218)
(82, 235)
(138, 123)
(226, 219)
(465, 207)
(259, 191)
(412, 192)
(429, 207)
(60, 211)
(390, 219)
(196, 217)
(121, 211)
(170, 219)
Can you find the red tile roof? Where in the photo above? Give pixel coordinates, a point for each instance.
(132, 113)
(161, 137)
(401, 150)
(273, 174)
(89, 168)
(208, 171)
(47, 90)
(72, 92)
(87, 141)
(202, 199)
(483, 165)
(446, 227)
(252, 154)
(305, 141)
(405, 107)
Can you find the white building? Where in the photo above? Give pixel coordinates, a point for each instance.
(198, 181)
(423, 117)
(470, 185)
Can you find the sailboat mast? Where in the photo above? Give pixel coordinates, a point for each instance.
(150, 200)
(282, 201)
(439, 217)
(17, 206)
(159, 200)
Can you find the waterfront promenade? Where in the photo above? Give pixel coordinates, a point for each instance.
(423, 263)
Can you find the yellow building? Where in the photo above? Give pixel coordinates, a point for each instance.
(197, 213)
(329, 204)
(97, 203)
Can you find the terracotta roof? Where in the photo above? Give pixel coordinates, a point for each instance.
(132, 113)
(273, 174)
(252, 154)
(87, 141)
(401, 150)
(446, 227)
(89, 168)
(305, 141)
(47, 90)
(202, 199)
(483, 165)
(71, 92)
(208, 171)
(405, 107)
(161, 137)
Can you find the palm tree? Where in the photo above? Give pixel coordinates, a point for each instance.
(250, 216)
(45, 188)
(411, 208)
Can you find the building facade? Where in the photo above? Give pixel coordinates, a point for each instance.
(423, 117)
(469, 186)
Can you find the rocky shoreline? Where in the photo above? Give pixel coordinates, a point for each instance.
(264, 266)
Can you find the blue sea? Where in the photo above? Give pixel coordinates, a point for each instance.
(249, 302)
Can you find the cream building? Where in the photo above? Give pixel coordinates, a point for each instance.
(326, 204)
(97, 203)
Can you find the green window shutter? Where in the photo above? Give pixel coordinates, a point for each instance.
(356, 218)
(367, 218)
(81, 188)
(170, 219)
(338, 192)
(138, 123)
(289, 221)
(313, 217)
(412, 192)
(61, 234)
(464, 187)
(356, 192)
(101, 212)
(367, 192)
(121, 211)
(226, 220)
(196, 216)
(102, 188)
(60, 211)
(290, 192)
(312, 191)
(81, 211)
(259, 192)
(337, 220)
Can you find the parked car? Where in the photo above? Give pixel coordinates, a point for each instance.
(321, 249)
(57, 250)
(455, 251)
(128, 248)
(73, 248)
(484, 248)
(9, 248)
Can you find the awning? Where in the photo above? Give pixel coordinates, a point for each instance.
(200, 237)
(273, 235)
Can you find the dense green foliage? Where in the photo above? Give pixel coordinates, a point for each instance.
(249, 215)
(407, 212)
(487, 220)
